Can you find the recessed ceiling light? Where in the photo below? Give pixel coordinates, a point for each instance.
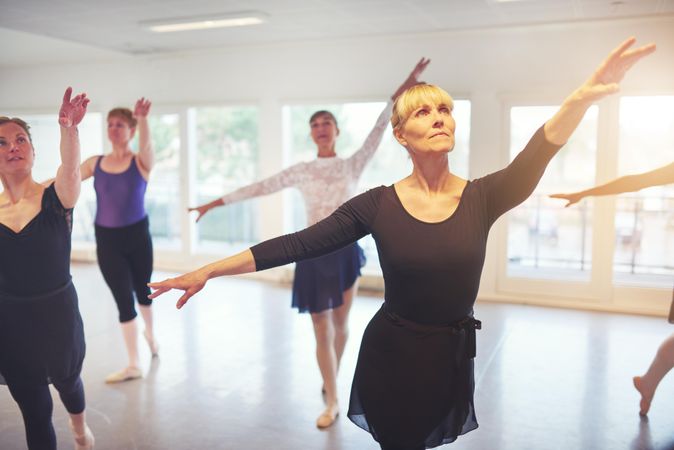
(205, 22)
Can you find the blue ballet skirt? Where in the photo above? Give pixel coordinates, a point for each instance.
(320, 282)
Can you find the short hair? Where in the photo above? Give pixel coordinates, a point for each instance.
(323, 112)
(413, 98)
(20, 122)
(125, 114)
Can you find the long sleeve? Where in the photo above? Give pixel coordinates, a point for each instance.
(512, 185)
(347, 224)
(292, 176)
(359, 160)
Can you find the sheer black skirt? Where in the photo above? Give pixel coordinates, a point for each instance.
(41, 337)
(414, 384)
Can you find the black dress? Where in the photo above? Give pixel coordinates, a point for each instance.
(41, 333)
(414, 381)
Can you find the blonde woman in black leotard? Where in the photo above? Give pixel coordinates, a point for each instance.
(413, 386)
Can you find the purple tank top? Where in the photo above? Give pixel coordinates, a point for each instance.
(120, 197)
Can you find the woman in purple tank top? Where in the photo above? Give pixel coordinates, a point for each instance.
(123, 242)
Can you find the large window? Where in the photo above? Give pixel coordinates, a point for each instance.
(389, 164)
(544, 238)
(44, 129)
(644, 222)
(226, 159)
(162, 200)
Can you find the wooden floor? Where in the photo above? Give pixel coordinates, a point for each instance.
(237, 371)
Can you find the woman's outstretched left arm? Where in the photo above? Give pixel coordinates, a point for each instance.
(604, 81)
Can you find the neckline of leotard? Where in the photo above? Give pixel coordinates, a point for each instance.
(446, 219)
(30, 222)
(100, 160)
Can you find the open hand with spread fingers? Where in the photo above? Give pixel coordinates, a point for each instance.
(72, 110)
(607, 77)
(191, 283)
(142, 108)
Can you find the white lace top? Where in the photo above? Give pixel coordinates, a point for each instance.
(325, 183)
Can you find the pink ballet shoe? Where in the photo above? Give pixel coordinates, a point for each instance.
(327, 417)
(126, 374)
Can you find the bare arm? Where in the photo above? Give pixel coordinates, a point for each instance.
(195, 281)
(88, 166)
(604, 81)
(67, 182)
(629, 183)
(145, 151)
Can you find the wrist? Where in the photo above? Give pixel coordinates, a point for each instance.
(70, 131)
(578, 98)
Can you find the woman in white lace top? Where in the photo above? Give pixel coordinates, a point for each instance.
(325, 286)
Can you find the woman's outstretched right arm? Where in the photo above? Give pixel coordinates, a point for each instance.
(629, 183)
(194, 281)
(286, 178)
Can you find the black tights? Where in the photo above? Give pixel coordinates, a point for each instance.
(36, 407)
(125, 258)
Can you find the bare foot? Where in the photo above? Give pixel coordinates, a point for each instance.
(646, 397)
(328, 416)
(84, 440)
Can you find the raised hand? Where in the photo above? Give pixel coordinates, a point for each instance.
(191, 283)
(72, 110)
(606, 79)
(413, 78)
(570, 198)
(142, 108)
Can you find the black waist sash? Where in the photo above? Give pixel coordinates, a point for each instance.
(464, 328)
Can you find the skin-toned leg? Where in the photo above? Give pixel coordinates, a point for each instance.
(340, 321)
(327, 363)
(84, 438)
(648, 383)
(132, 371)
(130, 333)
(146, 312)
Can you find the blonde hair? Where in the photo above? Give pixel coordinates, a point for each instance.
(416, 96)
(125, 114)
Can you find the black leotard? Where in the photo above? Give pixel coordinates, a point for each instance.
(414, 378)
(41, 333)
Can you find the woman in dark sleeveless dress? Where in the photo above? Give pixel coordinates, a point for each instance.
(123, 241)
(664, 358)
(41, 334)
(413, 384)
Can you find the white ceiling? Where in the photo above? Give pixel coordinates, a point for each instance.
(45, 30)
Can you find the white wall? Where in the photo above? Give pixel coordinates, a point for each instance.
(486, 66)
